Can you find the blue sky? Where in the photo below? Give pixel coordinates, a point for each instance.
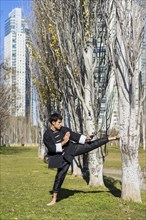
(6, 6)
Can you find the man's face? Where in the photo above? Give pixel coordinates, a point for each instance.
(57, 125)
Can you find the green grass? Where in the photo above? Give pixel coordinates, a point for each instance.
(113, 158)
(25, 190)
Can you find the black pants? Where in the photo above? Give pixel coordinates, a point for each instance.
(79, 149)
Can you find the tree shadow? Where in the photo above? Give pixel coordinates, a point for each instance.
(66, 193)
(111, 184)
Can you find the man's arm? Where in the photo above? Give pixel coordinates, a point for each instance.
(50, 143)
(80, 138)
(66, 138)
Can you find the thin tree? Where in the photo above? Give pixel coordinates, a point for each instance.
(4, 103)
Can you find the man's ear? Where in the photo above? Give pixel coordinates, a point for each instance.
(53, 122)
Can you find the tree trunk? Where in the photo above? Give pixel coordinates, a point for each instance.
(77, 166)
(144, 131)
(130, 140)
(41, 149)
(96, 168)
(143, 135)
(95, 157)
(131, 177)
(125, 48)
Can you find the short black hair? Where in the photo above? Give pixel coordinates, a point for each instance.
(55, 117)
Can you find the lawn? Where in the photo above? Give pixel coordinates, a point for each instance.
(25, 190)
(113, 158)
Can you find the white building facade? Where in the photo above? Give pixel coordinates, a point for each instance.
(15, 57)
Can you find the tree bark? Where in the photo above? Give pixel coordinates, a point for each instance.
(41, 149)
(96, 168)
(125, 49)
(131, 176)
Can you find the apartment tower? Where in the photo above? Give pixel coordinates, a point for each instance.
(16, 56)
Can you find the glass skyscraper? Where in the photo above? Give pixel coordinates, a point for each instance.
(16, 56)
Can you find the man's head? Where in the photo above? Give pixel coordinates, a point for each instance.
(55, 121)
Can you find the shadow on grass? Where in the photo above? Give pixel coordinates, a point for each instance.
(111, 184)
(66, 193)
(13, 150)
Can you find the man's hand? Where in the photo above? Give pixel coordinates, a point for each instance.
(66, 138)
(89, 138)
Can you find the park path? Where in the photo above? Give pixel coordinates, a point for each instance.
(111, 172)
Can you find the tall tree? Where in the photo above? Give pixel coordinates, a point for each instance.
(125, 22)
(66, 35)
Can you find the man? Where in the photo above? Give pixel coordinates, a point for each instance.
(63, 145)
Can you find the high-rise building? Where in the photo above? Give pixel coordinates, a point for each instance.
(16, 56)
(108, 102)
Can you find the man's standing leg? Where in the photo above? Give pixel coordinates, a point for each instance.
(60, 176)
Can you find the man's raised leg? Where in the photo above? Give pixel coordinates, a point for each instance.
(89, 146)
